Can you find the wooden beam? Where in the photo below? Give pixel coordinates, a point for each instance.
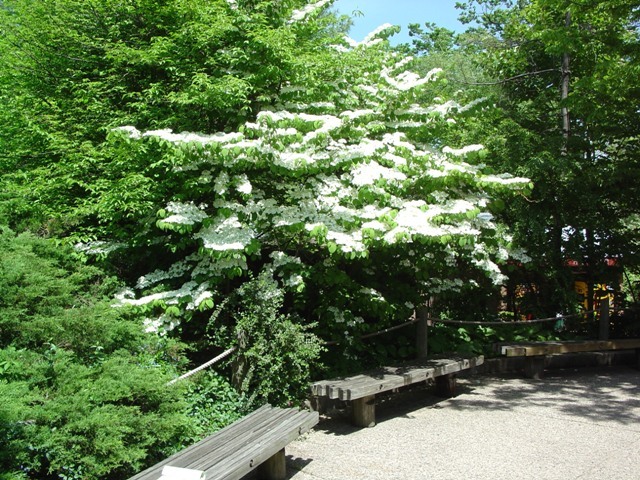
(242, 446)
(604, 319)
(422, 332)
(389, 378)
(551, 348)
(364, 411)
(275, 468)
(534, 367)
(446, 386)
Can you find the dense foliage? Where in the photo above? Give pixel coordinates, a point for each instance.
(83, 386)
(343, 194)
(276, 352)
(561, 76)
(197, 175)
(587, 190)
(70, 70)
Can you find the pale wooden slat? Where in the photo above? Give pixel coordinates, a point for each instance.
(182, 458)
(234, 467)
(233, 440)
(361, 389)
(271, 437)
(389, 378)
(235, 450)
(244, 437)
(551, 348)
(319, 388)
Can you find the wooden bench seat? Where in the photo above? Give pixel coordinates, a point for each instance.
(535, 352)
(256, 440)
(361, 389)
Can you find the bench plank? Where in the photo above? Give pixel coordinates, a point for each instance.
(184, 458)
(535, 353)
(241, 445)
(389, 378)
(551, 348)
(260, 452)
(237, 449)
(360, 390)
(216, 449)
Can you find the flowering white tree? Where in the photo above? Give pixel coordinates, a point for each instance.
(340, 190)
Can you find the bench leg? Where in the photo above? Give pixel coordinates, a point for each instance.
(446, 385)
(318, 404)
(364, 411)
(275, 468)
(534, 367)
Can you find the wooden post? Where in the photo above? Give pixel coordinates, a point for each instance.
(364, 411)
(604, 319)
(274, 468)
(319, 404)
(446, 385)
(422, 332)
(534, 367)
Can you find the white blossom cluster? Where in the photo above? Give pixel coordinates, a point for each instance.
(160, 325)
(373, 38)
(197, 292)
(462, 151)
(176, 270)
(98, 247)
(345, 175)
(345, 318)
(184, 214)
(444, 285)
(303, 13)
(228, 234)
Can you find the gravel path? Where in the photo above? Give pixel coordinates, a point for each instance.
(574, 424)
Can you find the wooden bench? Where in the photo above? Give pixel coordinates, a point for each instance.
(255, 441)
(535, 353)
(360, 390)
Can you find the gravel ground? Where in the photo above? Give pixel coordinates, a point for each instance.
(575, 424)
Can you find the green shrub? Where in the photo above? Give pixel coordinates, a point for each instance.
(83, 387)
(275, 350)
(48, 296)
(67, 420)
(213, 403)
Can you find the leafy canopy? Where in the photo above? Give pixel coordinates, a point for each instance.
(338, 189)
(585, 195)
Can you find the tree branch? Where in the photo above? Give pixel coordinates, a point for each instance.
(500, 82)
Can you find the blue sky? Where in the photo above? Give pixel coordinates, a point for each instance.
(399, 12)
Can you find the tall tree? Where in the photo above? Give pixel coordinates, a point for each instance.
(564, 68)
(72, 69)
(343, 192)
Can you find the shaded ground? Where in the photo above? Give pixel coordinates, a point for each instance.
(575, 424)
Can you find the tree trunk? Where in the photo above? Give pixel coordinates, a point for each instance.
(589, 267)
(564, 93)
(239, 366)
